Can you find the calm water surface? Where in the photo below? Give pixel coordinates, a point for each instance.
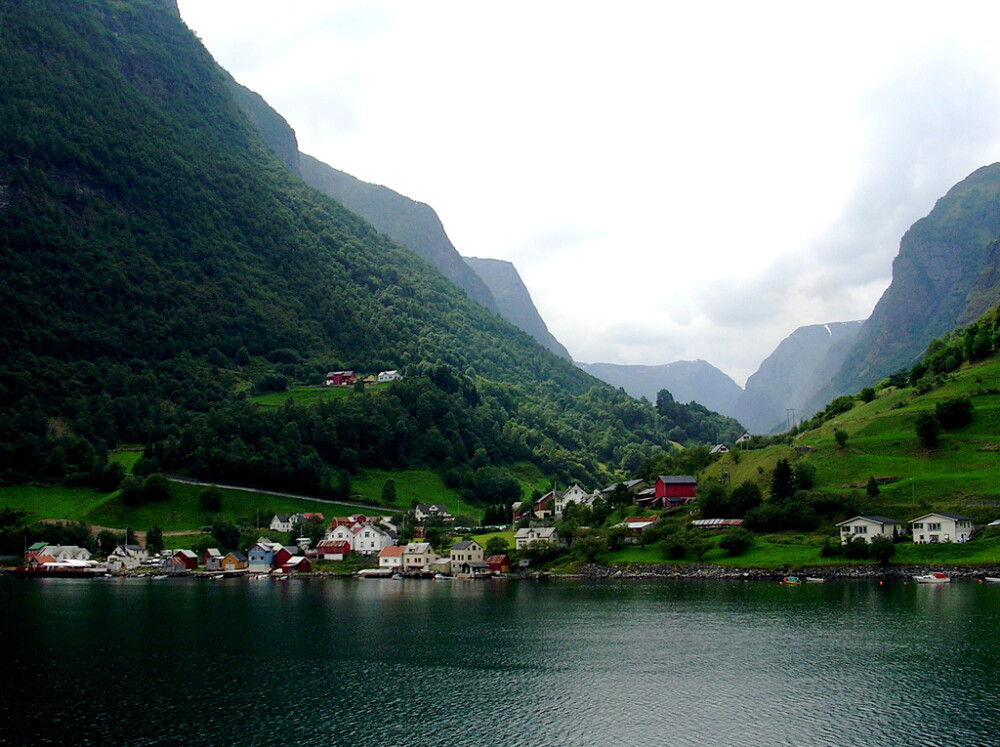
(378, 662)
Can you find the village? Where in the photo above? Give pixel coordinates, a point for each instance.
(374, 540)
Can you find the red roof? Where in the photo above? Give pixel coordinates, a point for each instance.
(392, 551)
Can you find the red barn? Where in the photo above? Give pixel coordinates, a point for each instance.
(499, 563)
(674, 490)
(340, 378)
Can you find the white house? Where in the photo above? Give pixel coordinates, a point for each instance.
(467, 556)
(281, 523)
(391, 558)
(385, 376)
(868, 528)
(363, 538)
(425, 511)
(573, 494)
(527, 535)
(418, 556)
(719, 449)
(127, 557)
(931, 528)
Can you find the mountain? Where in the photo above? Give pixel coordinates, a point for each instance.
(158, 261)
(411, 223)
(799, 366)
(688, 381)
(515, 302)
(940, 276)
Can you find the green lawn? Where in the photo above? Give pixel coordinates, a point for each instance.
(52, 503)
(304, 396)
(420, 485)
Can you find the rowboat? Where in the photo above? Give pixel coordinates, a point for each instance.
(791, 580)
(932, 578)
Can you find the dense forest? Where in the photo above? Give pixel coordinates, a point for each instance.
(158, 261)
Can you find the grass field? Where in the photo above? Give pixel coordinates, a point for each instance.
(304, 396)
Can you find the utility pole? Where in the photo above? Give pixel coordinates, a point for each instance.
(790, 415)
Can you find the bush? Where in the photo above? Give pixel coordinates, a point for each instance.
(210, 499)
(882, 549)
(954, 413)
(856, 549)
(673, 548)
(928, 429)
(736, 541)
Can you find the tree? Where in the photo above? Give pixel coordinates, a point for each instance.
(882, 549)
(872, 490)
(805, 475)
(155, 488)
(736, 541)
(226, 534)
(928, 429)
(389, 492)
(107, 541)
(496, 545)
(746, 496)
(867, 394)
(154, 539)
(840, 436)
(782, 481)
(857, 548)
(210, 499)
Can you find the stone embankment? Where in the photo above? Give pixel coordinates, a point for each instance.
(828, 573)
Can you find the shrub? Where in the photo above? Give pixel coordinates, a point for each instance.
(856, 549)
(736, 541)
(928, 429)
(954, 413)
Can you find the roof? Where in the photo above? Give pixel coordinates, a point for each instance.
(873, 518)
(392, 551)
(716, 523)
(213, 552)
(38, 546)
(186, 553)
(678, 479)
(416, 548)
(237, 556)
(502, 558)
(465, 545)
(953, 517)
(536, 531)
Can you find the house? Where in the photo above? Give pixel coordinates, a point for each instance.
(528, 535)
(329, 549)
(126, 557)
(938, 527)
(634, 526)
(281, 523)
(391, 558)
(425, 511)
(719, 449)
(573, 494)
(867, 527)
(234, 561)
(418, 556)
(499, 563)
(43, 552)
(386, 376)
(282, 554)
(180, 561)
(297, 564)
(463, 554)
(745, 438)
(634, 487)
(340, 378)
(260, 556)
(212, 559)
(672, 491)
(363, 537)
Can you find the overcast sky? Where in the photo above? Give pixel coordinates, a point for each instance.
(672, 181)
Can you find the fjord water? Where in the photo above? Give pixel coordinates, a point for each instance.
(378, 662)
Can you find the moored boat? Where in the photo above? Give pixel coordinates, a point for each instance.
(791, 580)
(932, 578)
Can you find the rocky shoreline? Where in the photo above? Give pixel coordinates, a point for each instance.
(698, 572)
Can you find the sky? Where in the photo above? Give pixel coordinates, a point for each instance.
(673, 181)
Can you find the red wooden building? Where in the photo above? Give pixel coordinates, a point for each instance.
(340, 378)
(674, 490)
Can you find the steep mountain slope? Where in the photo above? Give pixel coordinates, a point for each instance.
(799, 366)
(514, 301)
(157, 259)
(688, 381)
(940, 259)
(411, 223)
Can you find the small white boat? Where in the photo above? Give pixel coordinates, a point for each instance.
(992, 580)
(815, 580)
(932, 578)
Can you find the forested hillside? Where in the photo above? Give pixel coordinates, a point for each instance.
(157, 260)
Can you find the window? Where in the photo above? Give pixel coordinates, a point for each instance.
(934, 527)
(861, 530)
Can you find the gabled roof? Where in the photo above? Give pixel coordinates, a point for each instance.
(502, 557)
(678, 479)
(466, 545)
(213, 552)
(392, 551)
(871, 517)
(953, 517)
(237, 556)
